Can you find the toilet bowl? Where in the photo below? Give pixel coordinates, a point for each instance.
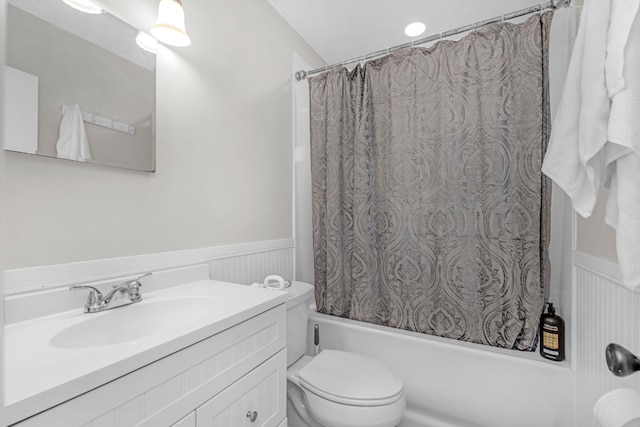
(335, 388)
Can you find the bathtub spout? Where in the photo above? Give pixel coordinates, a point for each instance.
(620, 361)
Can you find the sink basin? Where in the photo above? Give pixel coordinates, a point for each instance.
(133, 322)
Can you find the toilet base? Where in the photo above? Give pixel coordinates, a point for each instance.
(299, 415)
(296, 410)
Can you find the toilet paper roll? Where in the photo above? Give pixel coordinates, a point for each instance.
(277, 283)
(618, 408)
(264, 286)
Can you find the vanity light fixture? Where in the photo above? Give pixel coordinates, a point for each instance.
(86, 6)
(170, 28)
(146, 42)
(415, 29)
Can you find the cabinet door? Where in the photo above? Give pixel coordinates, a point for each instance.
(256, 400)
(188, 421)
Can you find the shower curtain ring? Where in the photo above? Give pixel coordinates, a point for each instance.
(441, 38)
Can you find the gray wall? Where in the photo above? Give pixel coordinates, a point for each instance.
(224, 151)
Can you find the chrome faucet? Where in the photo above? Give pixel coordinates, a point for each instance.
(125, 293)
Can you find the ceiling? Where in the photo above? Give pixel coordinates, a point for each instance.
(343, 29)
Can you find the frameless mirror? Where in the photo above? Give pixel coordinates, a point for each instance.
(59, 58)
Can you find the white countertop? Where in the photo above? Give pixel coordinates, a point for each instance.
(39, 376)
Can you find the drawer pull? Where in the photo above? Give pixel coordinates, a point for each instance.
(252, 415)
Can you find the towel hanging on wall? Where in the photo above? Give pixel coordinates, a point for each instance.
(622, 154)
(72, 142)
(596, 133)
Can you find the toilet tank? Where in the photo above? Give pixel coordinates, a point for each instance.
(300, 297)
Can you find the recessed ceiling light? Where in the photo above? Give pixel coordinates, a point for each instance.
(415, 29)
(85, 6)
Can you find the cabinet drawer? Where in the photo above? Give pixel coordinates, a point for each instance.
(256, 400)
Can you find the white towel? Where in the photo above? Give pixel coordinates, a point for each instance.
(575, 159)
(72, 142)
(622, 153)
(597, 127)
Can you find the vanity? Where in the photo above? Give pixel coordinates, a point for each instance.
(204, 353)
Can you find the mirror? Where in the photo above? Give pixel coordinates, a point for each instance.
(58, 57)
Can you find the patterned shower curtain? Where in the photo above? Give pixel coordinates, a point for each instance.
(430, 212)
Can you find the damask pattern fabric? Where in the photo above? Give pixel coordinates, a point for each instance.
(430, 212)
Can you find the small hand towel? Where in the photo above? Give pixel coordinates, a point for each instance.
(72, 142)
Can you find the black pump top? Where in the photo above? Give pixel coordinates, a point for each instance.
(550, 309)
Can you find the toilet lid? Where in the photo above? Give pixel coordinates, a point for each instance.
(350, 378)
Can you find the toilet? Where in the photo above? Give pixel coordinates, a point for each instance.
(335, 388)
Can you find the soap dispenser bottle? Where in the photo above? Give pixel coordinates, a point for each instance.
(551, 335)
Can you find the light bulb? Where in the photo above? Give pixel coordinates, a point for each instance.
(146, 42)
(85, 6)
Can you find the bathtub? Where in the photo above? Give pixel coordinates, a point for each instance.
(455, 384)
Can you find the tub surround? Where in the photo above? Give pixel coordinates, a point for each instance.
(39, 375)
(605, 312)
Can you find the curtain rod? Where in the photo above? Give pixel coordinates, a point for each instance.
(552, 4)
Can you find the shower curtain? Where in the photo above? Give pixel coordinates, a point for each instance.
(430, 212)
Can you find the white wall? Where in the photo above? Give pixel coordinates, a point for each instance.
(606, 312)
(303, 232)
(561, 245)
(3, 14)
(224, 158)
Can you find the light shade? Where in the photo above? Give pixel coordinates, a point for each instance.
(85, 6)
(169, 28)
(146, 42)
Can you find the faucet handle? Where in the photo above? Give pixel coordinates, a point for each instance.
(148, 273)
(133, 286)
(95, 300)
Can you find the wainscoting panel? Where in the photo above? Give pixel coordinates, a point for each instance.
(605, 312)
(253, 267)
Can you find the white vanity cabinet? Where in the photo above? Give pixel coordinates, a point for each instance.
(219, 381)
(254, 400)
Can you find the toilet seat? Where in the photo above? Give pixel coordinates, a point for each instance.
(350, 379)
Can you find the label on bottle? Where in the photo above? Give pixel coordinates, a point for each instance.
(550, 339)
